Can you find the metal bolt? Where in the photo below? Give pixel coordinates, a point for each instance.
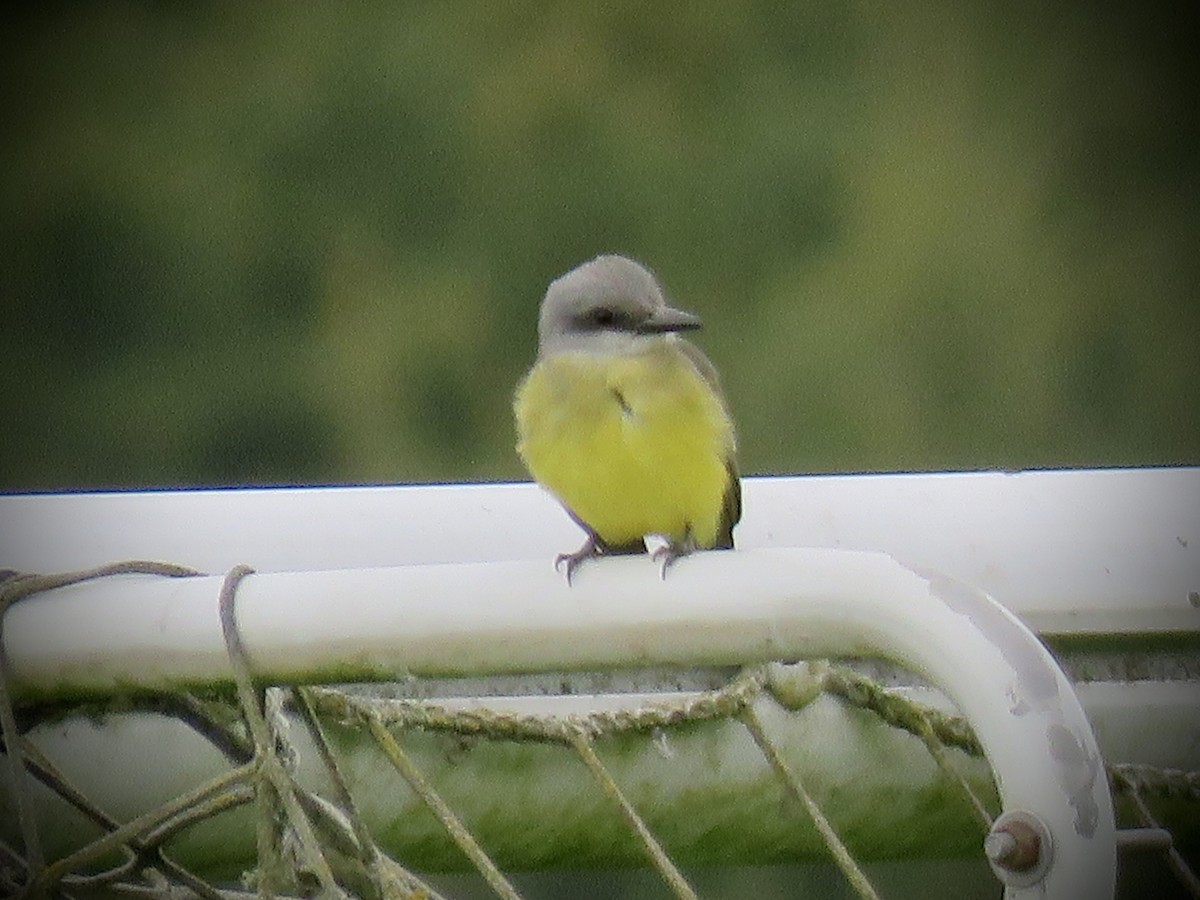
(1014, 845)
(1144, 839)
(999, 845)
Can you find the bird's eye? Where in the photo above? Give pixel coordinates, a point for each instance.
(604, 317)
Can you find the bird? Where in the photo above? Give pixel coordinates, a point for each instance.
(624, 421)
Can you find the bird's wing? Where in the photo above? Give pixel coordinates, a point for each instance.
(731, 507)
(731, 503)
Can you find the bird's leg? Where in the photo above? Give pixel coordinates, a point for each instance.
(590, 550)
(666, 555)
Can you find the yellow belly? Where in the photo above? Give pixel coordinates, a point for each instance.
(633, 445)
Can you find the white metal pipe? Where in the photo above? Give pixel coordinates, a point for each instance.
(1113, 550)
(467, 619)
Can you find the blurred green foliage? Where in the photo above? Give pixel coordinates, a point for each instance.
(275, 242)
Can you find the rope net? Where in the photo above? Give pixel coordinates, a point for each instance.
(315, 841)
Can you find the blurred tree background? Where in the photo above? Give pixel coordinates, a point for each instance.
(279, 243)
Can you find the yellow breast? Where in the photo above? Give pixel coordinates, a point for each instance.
(632, 444)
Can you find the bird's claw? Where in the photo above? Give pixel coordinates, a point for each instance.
(589, 550)
(668, 553)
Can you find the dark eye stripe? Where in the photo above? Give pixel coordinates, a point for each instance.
(601, 317)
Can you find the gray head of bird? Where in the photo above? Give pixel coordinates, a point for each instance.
(608, 304)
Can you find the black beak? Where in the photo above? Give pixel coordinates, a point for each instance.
(668, 319)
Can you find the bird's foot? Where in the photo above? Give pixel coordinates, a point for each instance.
(589, 550)
(668, 553)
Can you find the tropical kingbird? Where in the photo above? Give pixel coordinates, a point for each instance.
(624, 421)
